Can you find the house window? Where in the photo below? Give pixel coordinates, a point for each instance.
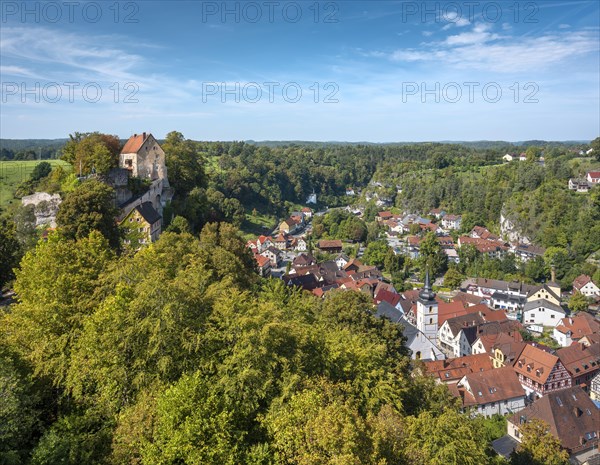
(430, 321)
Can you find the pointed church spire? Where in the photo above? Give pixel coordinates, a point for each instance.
(427, 293)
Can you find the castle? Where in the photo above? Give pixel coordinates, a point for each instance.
(142, 159)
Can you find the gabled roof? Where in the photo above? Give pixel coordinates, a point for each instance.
(448, 310)
(493, 339)
(391, 298)
(386, 310)
(455, 368)
(467, 299)
(579, 325)
(539, 362)
(148, 212)
(542, 303)
(579, 359)
(570, 414)
(490, 386)
(261, 260)
(581, 281)
(329, 244)
(304, 259)
(135, 142)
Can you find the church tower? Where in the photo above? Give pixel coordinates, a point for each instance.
(427, 311)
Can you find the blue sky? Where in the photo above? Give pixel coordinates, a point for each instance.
(347, 70)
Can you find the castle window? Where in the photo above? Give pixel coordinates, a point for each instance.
(430, 321)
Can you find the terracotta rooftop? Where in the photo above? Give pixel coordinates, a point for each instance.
(579, 325)
(134, 143)
(579, 359)
(581, 281)
(329, 244)
(455, 368)
(535, 363)
(571, 415)
(490, 386)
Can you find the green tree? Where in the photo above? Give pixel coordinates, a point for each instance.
(184, 162)
(10, 252)
(443, 440)
(595, 144)
(538, 446)
(90, 207)
(179, 225)
(453, 278)
(56, 285)
(557, 257)
(375, 253)
(432, 255)
(578, 303)
(89, 152)
(41, 170)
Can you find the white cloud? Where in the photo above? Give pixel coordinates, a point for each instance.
(427, 33)
(564, 26)
(481, 48)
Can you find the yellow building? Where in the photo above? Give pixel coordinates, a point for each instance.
(141, 226)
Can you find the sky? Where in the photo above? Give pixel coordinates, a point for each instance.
(377, 71)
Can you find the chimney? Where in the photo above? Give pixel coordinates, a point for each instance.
(135, 135)
(570, 321)
(144, 138)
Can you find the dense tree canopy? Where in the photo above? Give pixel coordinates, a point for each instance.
(90, 207)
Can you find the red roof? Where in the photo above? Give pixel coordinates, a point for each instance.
(581, 281)
(261, 260)
(386, 296)
(450, 310)
(386, 214)
(134, 143)
(594, 174)
(535, 363)
(455, 368)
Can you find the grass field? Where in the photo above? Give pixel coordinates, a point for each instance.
(12, 173)
(256, 225)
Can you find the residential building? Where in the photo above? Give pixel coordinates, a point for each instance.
(299, 244)
(487, 247)
(452, 370)
(264, 242)
(584, 285)
(593, 177)
(595, 388)
(452, 222)
(542, 312)
(490, 392)
(549, 291)
(289, 226)
(572, 328)
(307, 212)
(582, 362)
(280, 242)
(341, 260)
(541, 372)
(526, 252)
(479, 232)
(263, 264)
(579, 185)
(488, 340)
(273, 254)
(457, 335)
(141, 226)
(571, 417)
(330, 246)
(505, 353)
